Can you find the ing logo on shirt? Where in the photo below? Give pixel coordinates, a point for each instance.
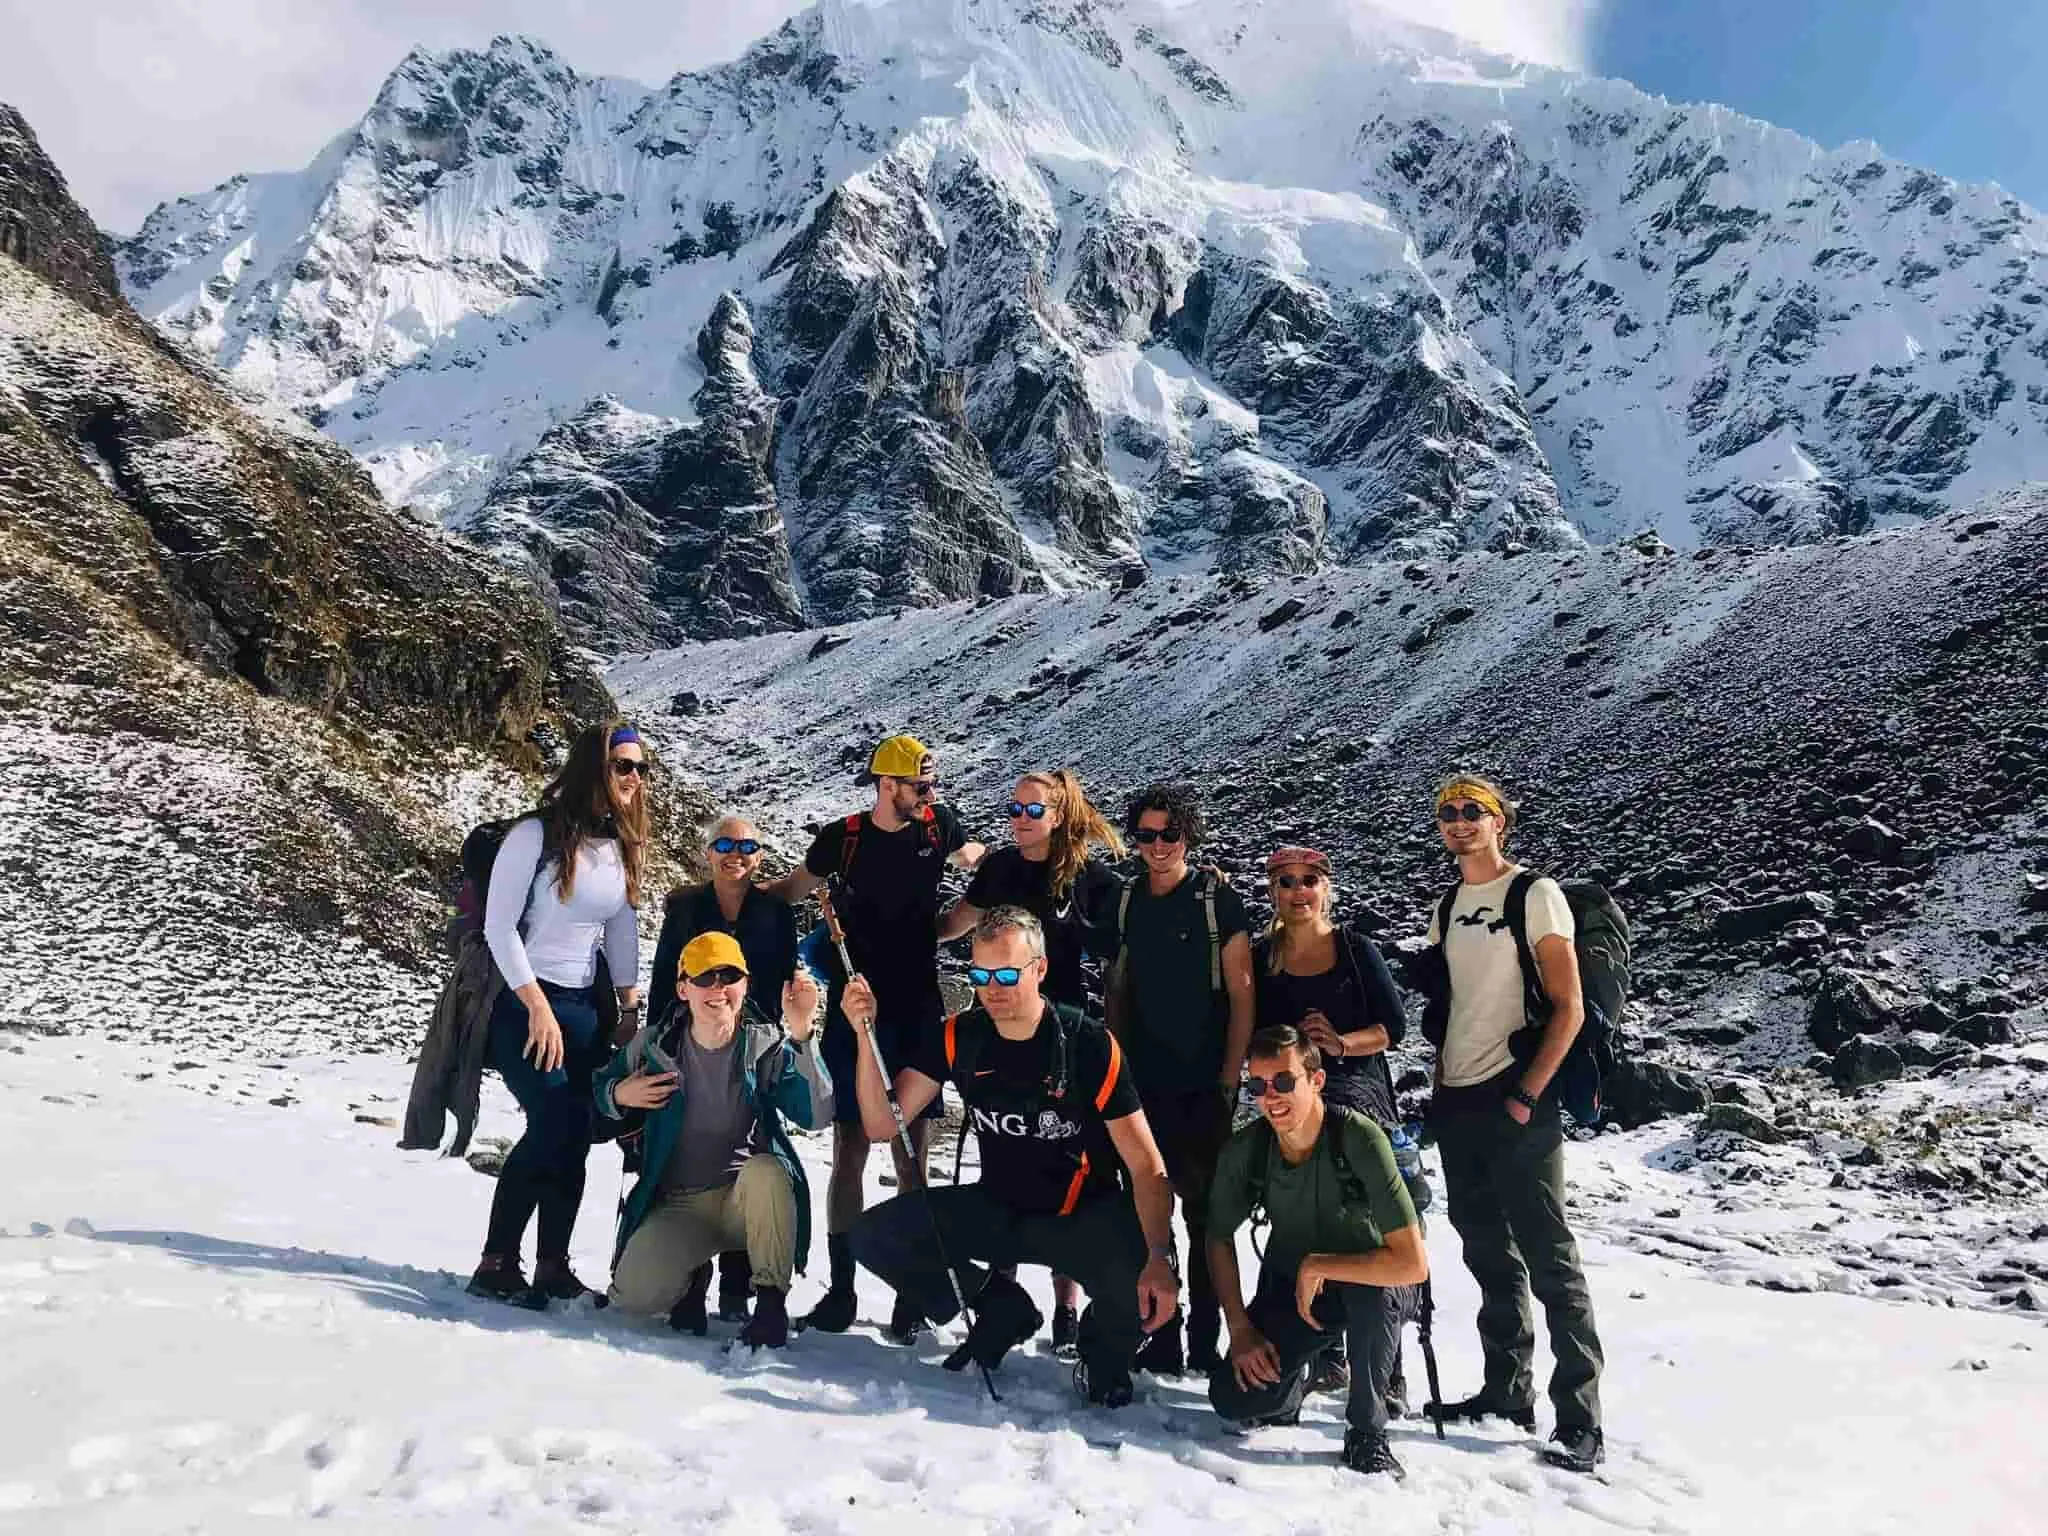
(1050, 1125)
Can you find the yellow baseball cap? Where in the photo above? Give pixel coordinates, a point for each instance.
(900, 757)
(708, 951)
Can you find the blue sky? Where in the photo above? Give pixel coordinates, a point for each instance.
(140, 100)
(1959, 86)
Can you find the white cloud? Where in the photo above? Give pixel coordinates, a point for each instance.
(141, 100)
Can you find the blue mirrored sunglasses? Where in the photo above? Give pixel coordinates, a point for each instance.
(1035, 809)
(745, 845)
(1002, 975)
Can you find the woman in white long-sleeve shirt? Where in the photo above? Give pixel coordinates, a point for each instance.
(565, 886)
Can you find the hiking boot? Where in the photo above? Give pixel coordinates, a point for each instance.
(1366, 1450)
(1066, 1332)
(687, 1315)
(768, 1328)
(735, 1287)
(556, 1281)
(1397, 1397)
(905, 1323)
(1204, 1330)
(1482, 1406)
(1004, 1317)
(1161, 1352)
(1577, 1449)
(1330, 1373)
(500, 1279)
(834, 1312)
(1105, 1383)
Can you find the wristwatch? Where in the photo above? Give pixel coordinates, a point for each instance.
(1170, 1255)
(1521, 1096)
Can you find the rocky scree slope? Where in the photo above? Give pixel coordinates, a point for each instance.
(246, 710)
(1813, 776)
(920, 301)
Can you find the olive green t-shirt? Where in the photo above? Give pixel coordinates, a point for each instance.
(1312, 1207)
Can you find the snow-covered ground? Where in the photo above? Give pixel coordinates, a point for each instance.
(230, 1305)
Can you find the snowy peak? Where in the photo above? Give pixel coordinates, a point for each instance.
(1049, 289)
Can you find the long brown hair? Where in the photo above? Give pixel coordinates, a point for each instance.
(1080, 824)
(569, 812)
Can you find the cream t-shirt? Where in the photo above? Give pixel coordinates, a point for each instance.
(1486, 975)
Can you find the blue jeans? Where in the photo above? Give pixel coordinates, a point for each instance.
(544, 1170)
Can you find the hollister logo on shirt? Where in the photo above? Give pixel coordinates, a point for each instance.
(1050, 1125)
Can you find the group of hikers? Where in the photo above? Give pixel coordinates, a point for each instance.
(1094, 1118)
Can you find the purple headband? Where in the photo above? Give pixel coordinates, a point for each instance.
(623, 736)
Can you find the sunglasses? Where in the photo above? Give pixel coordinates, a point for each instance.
(627, 767)
(1469, 811)
(745, 845)
(1307, 882)
(920, 787)
(1151, 835)
(1279, 1082)
(1002, 975)
(719, 976)
(1035, 809)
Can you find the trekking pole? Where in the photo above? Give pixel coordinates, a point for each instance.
(838, 935)
(1435, 1406)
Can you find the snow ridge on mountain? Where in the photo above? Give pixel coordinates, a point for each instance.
(1041, 290)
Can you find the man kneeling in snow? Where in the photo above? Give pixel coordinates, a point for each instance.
(1344, 1233)
(1046, 1090)
(709, 1090)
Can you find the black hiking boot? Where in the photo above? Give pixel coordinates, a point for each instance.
(1366, 1450)
(556, 1281)
(1066, 1333)
(1004, 1317)
(735, 1286)
(687, 1315)
(1161, 1352)
(906, 1322)
(1482, 1406)
(768, 1328)
(1397, 1397)
(1577, 1449)
(834, 1312)
(1204, 1329)
(1330, 1373)
(500, 1279)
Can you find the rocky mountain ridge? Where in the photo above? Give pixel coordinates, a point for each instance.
(1038, 291)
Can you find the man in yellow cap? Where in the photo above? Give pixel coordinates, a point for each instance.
(709, 1090)
(886, 864)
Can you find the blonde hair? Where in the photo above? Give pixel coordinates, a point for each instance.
(1276, 931)
(1080, 825)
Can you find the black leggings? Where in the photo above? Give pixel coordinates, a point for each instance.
(545, 1169)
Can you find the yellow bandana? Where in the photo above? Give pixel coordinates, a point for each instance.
(1465, 789)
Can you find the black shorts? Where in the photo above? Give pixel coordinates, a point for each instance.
(898, 1036)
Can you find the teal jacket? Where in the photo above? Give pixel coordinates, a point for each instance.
(782, 1082)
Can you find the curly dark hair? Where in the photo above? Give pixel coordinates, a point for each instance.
(1182, 805)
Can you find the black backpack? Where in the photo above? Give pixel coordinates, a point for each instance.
(479, 855)
(1602, 942)
(1205, 892)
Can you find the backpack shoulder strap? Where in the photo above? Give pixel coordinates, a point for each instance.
(1261, 1169)
(1516, 911)
(929, 819)
(847, 846)
(1443, 914)
(952, 1042)
(1123, 906)
(1207, 891)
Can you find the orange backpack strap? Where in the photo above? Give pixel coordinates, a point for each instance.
(952, 1039)
(847, 845)
(1109, 1078)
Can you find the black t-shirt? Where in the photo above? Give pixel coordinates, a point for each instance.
(765, 928)
(1043, 1152)
(1355, 993)
(1178, 1020)
(890, 907)
(1084, 922)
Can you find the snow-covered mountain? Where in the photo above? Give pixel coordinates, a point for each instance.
(926, 298)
